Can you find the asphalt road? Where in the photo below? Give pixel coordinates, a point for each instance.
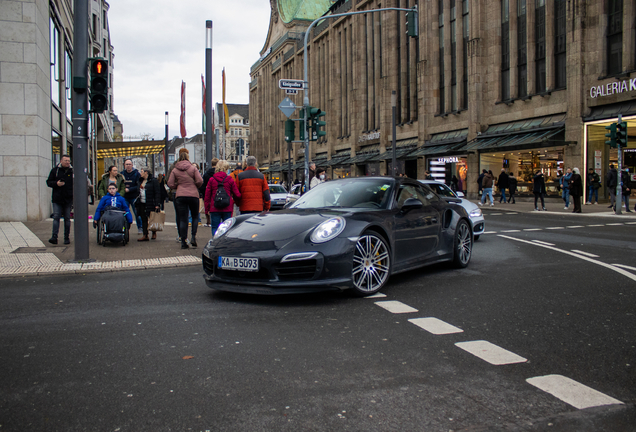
(158, 351)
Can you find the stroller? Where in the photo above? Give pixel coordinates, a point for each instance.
(113, 227)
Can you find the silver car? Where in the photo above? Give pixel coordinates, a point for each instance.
(278, 196)
(473, 210)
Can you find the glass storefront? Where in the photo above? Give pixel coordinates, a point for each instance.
(339, 172)
(451, 170)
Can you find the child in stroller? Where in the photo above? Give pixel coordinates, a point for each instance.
(112, 217)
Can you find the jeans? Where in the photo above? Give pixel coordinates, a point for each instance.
(216, 218)
(538, 195)
(138, 220)
(487, 191)
(593, 194)
(626, 199)
(566, 197)
(503, 194)
(62, 210)
(183, 206)
(612, 192)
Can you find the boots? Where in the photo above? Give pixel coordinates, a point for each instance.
(154, 235)
(193, 242)
(144, 238)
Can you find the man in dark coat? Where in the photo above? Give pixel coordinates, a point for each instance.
(61, 181)
(503, 184)
(206, 178)
(612, 181)
(539, 190)
(131, 177)
(626, 187)
(576, 189)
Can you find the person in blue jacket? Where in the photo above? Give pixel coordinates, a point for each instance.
(112, 199)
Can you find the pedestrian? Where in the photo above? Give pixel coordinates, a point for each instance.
(454, 183)
(61, 181)
(480, 181)
(487, 182)
(612, 181)
(539, 190)
(593, 185)
(312, 172)
(185, 179)
(502, 184)
(131, 177)
(253, 188)
(111, 199)
(162, 187)
(206, 178)
(565, 187)
(318, 178)
(218, 215)
(576, 189)
(111, 176)
(512, 187)
(149, 200)
(626, 187)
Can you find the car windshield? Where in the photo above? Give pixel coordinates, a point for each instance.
(277, 189)
(442, 190)
(372, 193)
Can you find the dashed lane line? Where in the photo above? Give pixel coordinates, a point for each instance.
(630, 223)
(571, 392)
(585, 253)
(616, 224)
(533, 229)
(576, 226)
(555, 228)
(543, 243)
(435, 326)
(396, 307)
(490, 232)
(597, 225)
(490, 352)
(600, 263)
(510, 231)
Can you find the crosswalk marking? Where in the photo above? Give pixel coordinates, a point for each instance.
(394, 306)
(571, 392)
(435, 326)
(491, 353)
(585, 253)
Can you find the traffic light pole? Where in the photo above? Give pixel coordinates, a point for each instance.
(208, 93)
(619, 184)
(306, 79)
(80, 131)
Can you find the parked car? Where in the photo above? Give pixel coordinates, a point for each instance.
(352, 233)
(278, 196)
(473, 210)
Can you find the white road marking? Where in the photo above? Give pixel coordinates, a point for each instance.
(602, 264)
(616, 224)
(490, 232)
(597, 225)
(543, 243)
(435, 326)
(585, 253)
(512, 213)
(572, 392)
(394, 306)
(556, 228)
(377, 295)
(495, 214)
(508, 231)
(533, 229)
(491, 353)
(625, 267)
(576, 226)
(630, 223)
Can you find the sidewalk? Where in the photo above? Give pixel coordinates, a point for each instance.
(25, 250)
(555, 206)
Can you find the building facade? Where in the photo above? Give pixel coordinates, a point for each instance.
(520, 85)
(36, 56)
(234, 145)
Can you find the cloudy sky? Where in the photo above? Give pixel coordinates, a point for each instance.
(159, 43)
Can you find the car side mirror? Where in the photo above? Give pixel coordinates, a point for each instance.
(411, 204)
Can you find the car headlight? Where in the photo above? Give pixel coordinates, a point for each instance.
(475, 213)
(224, 227)
(328, 230)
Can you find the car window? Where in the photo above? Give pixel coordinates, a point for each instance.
(442, 190)
(356, 193)
(277, 189)
(414, 191)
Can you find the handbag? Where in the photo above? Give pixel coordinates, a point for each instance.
(201, 205)
(156, 220)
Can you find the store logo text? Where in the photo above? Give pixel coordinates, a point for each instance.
(613, 88)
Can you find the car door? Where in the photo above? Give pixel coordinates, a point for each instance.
(416, 229)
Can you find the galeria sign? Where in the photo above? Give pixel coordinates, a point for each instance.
(613, 88)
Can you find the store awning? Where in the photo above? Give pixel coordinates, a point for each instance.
(445, 149)
(550, 137)
(128, 148)
(400, 153)
(612, 111)
(365, 157)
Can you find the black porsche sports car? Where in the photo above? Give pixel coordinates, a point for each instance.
(351, 233)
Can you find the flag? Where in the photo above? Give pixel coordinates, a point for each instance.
(203, 106)
(225, 114)
(182, 118)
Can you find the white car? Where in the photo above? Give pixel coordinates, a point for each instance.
(473, 210)
(293, 194)
(278, 196)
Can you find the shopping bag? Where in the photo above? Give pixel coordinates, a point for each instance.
(156, 221)
(201, 205)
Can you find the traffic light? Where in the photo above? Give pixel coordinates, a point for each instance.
(99, 85)
(290, 130)
(621, 134)
(611, 135)
(411, 23)
(315, 114)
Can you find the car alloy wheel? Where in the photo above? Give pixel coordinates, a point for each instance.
(371, 264)
(463, 244)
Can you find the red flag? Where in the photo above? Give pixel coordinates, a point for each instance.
(182, 118)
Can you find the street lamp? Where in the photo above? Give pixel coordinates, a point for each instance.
(208, 91)
(393, 107)
(165, 149)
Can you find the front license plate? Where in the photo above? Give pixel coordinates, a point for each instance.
(236, 263)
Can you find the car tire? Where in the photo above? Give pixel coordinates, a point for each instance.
(463, 245)
(475, 237)
(371, 265)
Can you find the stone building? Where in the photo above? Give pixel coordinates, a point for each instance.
(522, 85)
(233, 146)
(36, 54)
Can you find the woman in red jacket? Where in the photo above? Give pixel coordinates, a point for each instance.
(186, 180)
(218, 215)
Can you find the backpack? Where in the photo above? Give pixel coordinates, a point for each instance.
(221, 198)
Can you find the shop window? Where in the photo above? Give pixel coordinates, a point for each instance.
(539, 55)
(505, 50)
(56, 147)
(615, 37)
(522, 51)
(559, 44)
(55, 62)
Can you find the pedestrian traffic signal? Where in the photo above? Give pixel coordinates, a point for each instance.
(290, 130)
(621, 134)
(99, 85)
(315, 114)
(411, 23)
(611, 135)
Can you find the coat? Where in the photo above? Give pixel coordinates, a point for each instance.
(132, 183)
(102, 188)
(229, 186)
(185, 179)
(512, 184)
(206, 178)
(576, 185)
(626, 183)
(61, 194)
(116, 201)
(502, 181)
(612, 178)
(152, 190)
(254, 191)
(539, 184)
(487, 181)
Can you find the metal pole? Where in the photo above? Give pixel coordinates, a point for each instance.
(289, 176)
(165, 150)
(80, 131)
(619, 184)
(208, 91)
(393, 131)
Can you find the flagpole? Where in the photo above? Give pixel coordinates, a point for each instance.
(208, 91)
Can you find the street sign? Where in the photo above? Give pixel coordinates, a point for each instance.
(292, 92)
(287, 106)
(291, 84)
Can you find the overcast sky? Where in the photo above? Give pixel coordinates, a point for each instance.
(159, 43)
